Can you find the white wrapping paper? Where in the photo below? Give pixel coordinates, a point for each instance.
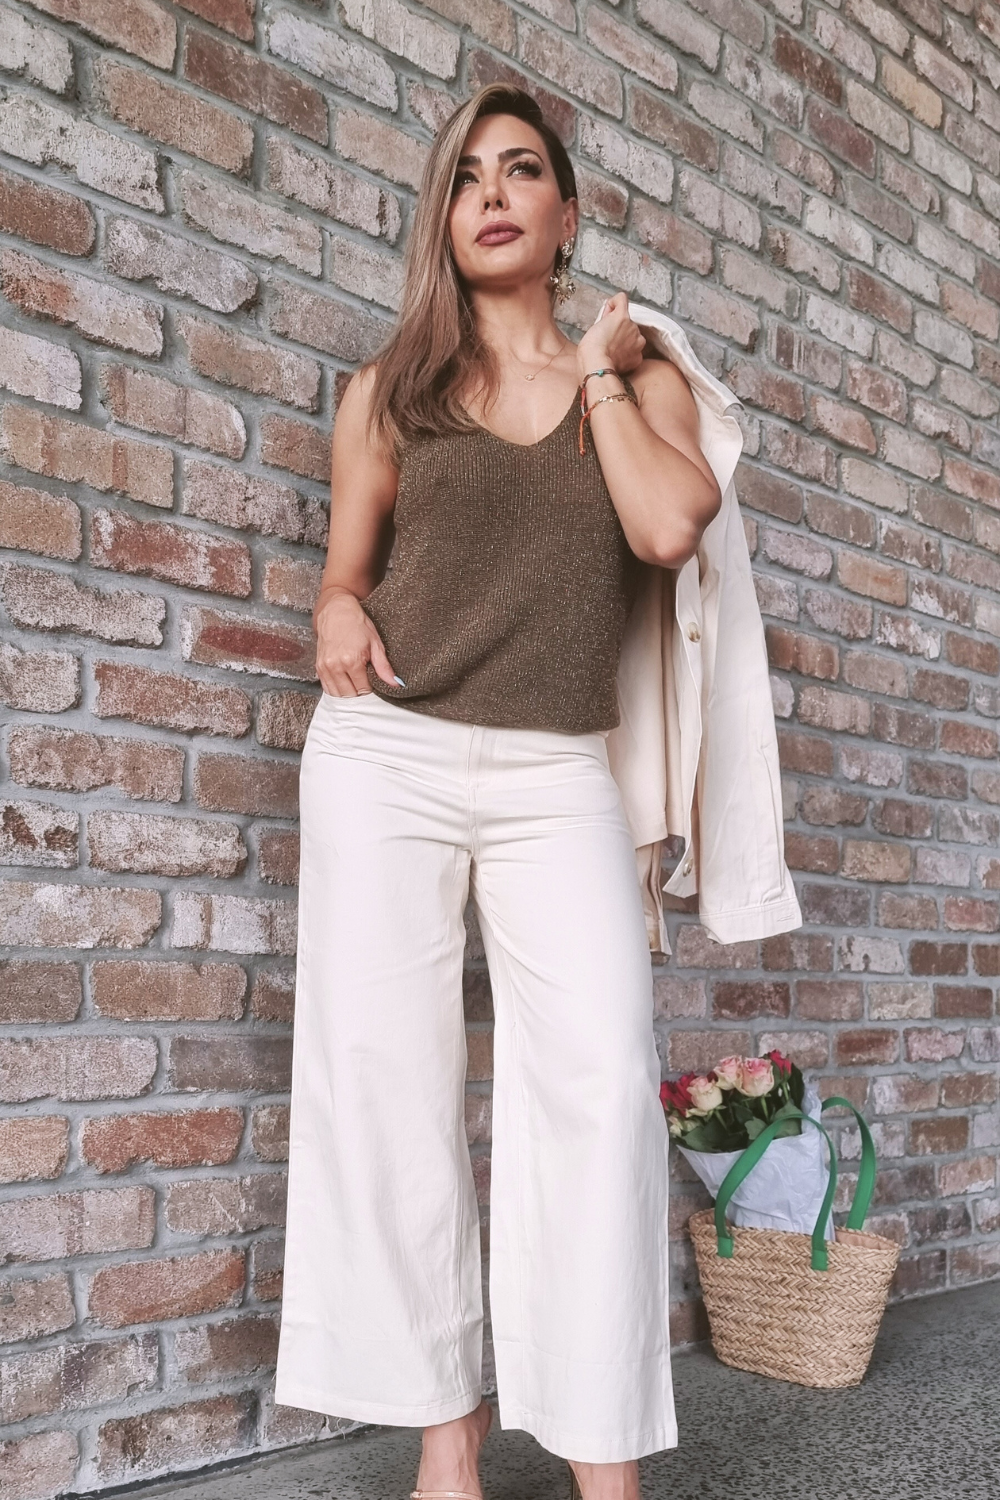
(785, 1189)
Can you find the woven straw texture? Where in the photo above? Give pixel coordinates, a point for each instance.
(770, 1312)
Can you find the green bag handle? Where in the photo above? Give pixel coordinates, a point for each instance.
(745, 1164)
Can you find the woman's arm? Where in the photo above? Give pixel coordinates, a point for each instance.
(660, 482)
(362, 499)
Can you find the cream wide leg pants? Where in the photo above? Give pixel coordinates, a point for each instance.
(402, 816)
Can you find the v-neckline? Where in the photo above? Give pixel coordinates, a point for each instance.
(509, 442)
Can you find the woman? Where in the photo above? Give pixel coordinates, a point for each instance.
(459, 749)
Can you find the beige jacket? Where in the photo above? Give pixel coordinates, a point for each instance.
(696, 750)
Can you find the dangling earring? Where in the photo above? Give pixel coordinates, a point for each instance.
(563, 282)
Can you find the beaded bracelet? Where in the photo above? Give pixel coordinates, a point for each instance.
(585, 410)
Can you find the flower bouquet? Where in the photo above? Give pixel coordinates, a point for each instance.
(714, 1116)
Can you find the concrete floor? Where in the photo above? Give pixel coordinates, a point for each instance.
(923, 1425)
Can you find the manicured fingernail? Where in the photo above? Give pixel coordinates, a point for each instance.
(399, 680)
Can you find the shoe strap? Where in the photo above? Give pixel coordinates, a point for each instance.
(443, 1495)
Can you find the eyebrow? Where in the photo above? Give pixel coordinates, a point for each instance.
(469, 161)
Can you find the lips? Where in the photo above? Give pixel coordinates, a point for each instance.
(497, 233)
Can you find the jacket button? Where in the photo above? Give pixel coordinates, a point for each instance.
(694, 634)
(686, 866)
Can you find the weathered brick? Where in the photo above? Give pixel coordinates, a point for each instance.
(292, 583)
(33, 1148)
(236, 1346)
(331, 189)
(174, 116)
(101, 313)
(267, 1260)
(38, 681)
(34, 521)
(321, 322)
(158, 990)
(233, 924)
(230, 498)
(31, 1307)
(245, 644)
(175, 554)
(235, 16)
(283, 719)
(226, 1205)
(235, 1064)
(240, 218)
(321, 51)
(289, 444)
(85, 1067)
(169, 1439)
(69, 761)
(137, 26)
(256, 85)
(246, 784)
(39, 1466)
(39, 599)
(153, 404)
(73, 452)
(39, 133)
(159, 698)
(148, 1291)
(87, 1223)
(35, 367)
(145, 844)
(76, 916)
(178, 266)
(68, 1377)
(231, 358)
(38, 834)
(269, 1132)
(33, 990)
(273, 997)
(278, 857)
(45, 215)
(168, 1138)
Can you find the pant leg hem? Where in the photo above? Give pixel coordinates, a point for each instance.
(388, 1414)
(583, 1449)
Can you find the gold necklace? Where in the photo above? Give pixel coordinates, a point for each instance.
(547, 362)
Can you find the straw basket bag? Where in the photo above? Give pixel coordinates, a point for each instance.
(796, 1306)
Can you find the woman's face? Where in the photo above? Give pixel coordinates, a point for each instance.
(504, 176)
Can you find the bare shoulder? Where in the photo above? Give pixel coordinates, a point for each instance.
(351, 429)
(660, 383)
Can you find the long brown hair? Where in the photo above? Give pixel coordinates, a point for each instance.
(435, 351)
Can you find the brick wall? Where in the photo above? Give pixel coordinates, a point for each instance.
(202, 209)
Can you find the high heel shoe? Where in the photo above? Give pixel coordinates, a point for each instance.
(453, 1494)
(575, 1492)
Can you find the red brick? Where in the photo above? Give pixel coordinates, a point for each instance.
(76, 916)
(39, 599)
(78, 454)
(68, 1377)
(701, 1050)
(171, 1439)
(176, 554)
(874, 1045)
(144, 844)
(256, 85)
(67, 761)
(273, 996)
(38, 834)
(235, 16)
(233, 924)
(99, 312)
(290, 444)
(75, 1067)
(220, 638)
(269, 1132)
(231, 498)
(159, 990)
(226, 1205)
(38, 681)
(150, 1291)
(232, 358)
(292, 583)
(267, 1260)
(170, 702)
(936, 1137)
(40, 368)
(33, 990)
(236, 1346)
(35, 521)
(283, 719)
(232, 1065)
(154, 404)
(247, 784)
(87, 1223)
(278, 857)
(39, 1466)
(31, 1307)
(137, 26)
(138, 252)
(246, 219)
(174, 116)
(741, 1001)
(960, 1090)
(33, 1148)
(45, 215)
(168, 1138)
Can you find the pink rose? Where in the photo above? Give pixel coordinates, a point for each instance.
(756, 1077)
(728, 1072)
(705, 1094)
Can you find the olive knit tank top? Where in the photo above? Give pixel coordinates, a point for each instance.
(511, 582)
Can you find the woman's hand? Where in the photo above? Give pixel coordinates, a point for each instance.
(613, 340)
(346, 641)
